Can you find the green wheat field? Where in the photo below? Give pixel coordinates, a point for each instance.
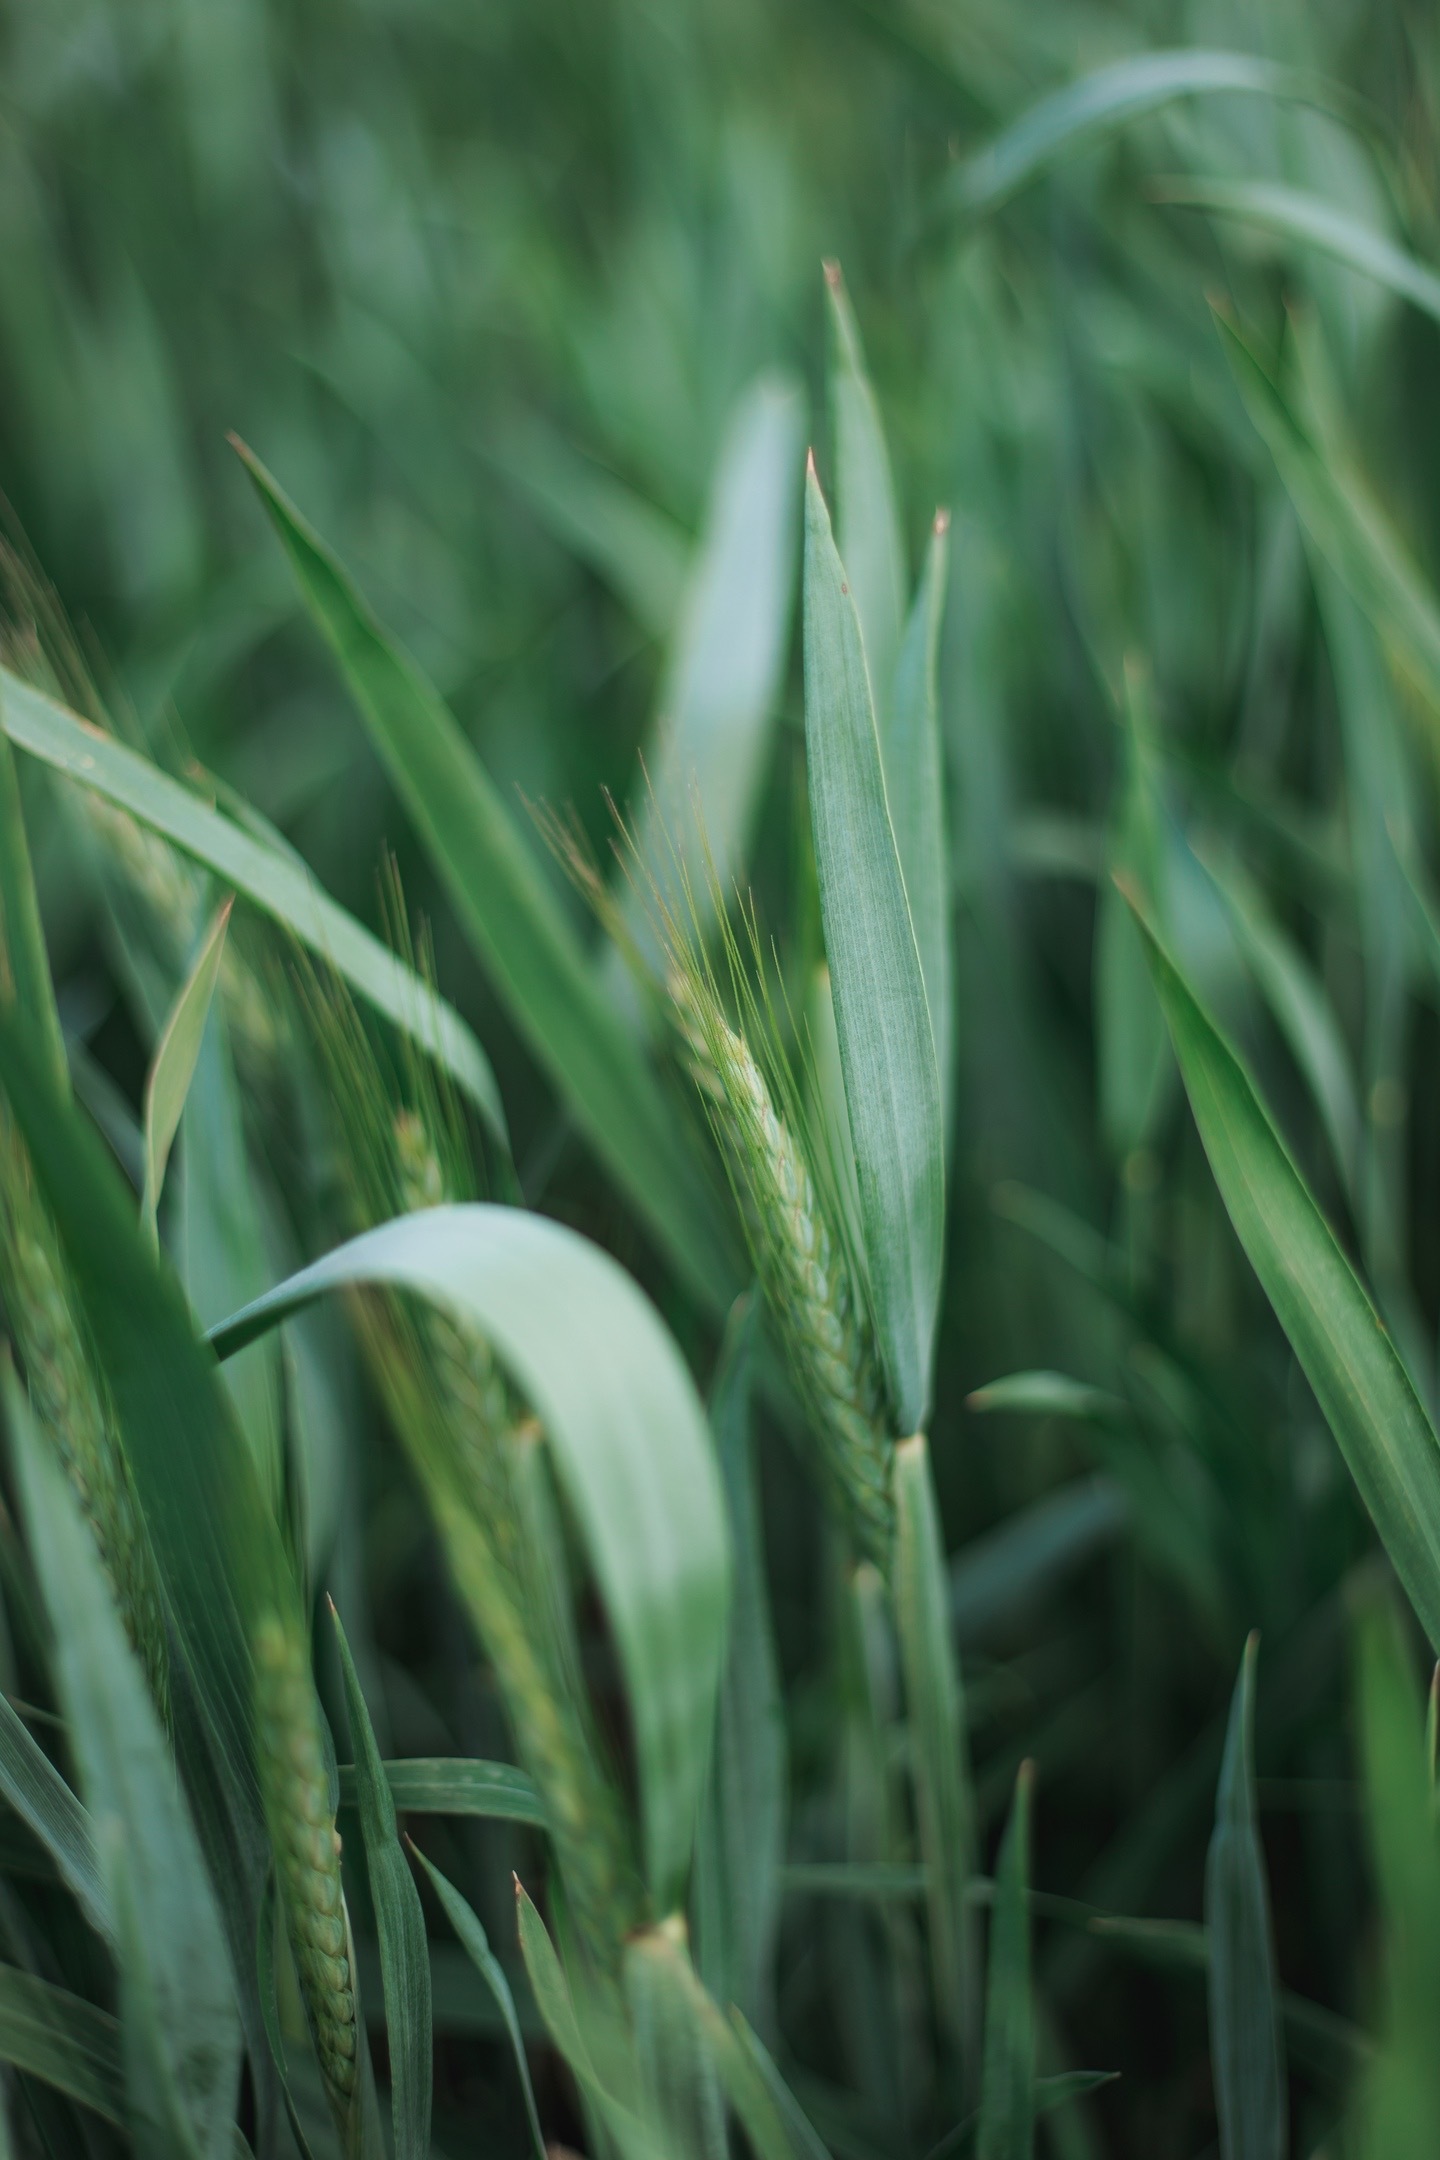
(719, 1080)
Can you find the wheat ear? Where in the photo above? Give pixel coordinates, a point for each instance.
(306, 1845)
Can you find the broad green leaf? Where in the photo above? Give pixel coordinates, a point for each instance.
(1295, 214)
(1302, 1012)
(741, 1839)
(1244, 2027)
(1349, 1360)
(867, 519)
(477, 1947)
(722, 686)
(887, 1050)
(1343, 519)
(41, 1798)
(173, 1065)
(62, 2040)
(1399, 2098)
(24, 967)
(440, 1785)
(677, 2067)
(268, 877)
(404, 1953)
(509, 910)
(935, 1706)
(1109, 98)
(180, 2026)
(628, 1439)
(915, 786)
(633, 545)
(1007, 2091)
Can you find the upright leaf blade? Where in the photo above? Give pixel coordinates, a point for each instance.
(1244, 2024)
(42, 1799)
(870, 543)
(887, 1049)
(173, 1065)
(915, 785)
(404, 1952)
(477, 1948)
(1349, 1360)
(508, 910)
(1007, 2093)
(721, 688)
(939, 1748)
(628, 1438)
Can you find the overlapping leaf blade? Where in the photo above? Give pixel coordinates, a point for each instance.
(268, 876)
(1349, 1360)
(628, 1438)
(508, 909)
(173, 1066)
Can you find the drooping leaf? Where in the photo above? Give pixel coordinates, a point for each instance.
(1296, 214)
(1007, 2091)
(628, 1439)
(173, 1065)
(442, 1785)
(477, 1948)
(509, 911)
(1244, 2027)
(180, 2026)
(1110, 97)
(1350, 1362)
(944, 1802)
(404, 1952)
(887, 1049)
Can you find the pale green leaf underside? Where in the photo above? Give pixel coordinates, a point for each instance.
(887, 1049)
(628, 1437)
(173, 1066)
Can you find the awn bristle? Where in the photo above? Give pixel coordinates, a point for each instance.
(803, 1265)
(72, 1405)
(306, 1845)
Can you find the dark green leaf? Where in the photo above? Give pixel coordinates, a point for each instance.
(1244, 2029)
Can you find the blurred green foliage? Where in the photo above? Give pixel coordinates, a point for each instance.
(483, 285)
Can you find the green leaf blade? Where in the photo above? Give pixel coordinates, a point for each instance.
(887, 1049)
(1244, 2024)
(172, 1068)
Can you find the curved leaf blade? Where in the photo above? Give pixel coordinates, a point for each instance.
(628, 1437)
(466, 1924)
(882, 1019)
(404, 1952)
(1295, 214)
(41, 1798)
(512, 917)
(62, 2040)
(1359, 1381)
(172, 1068)
(460, 1785)
(269, 877)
